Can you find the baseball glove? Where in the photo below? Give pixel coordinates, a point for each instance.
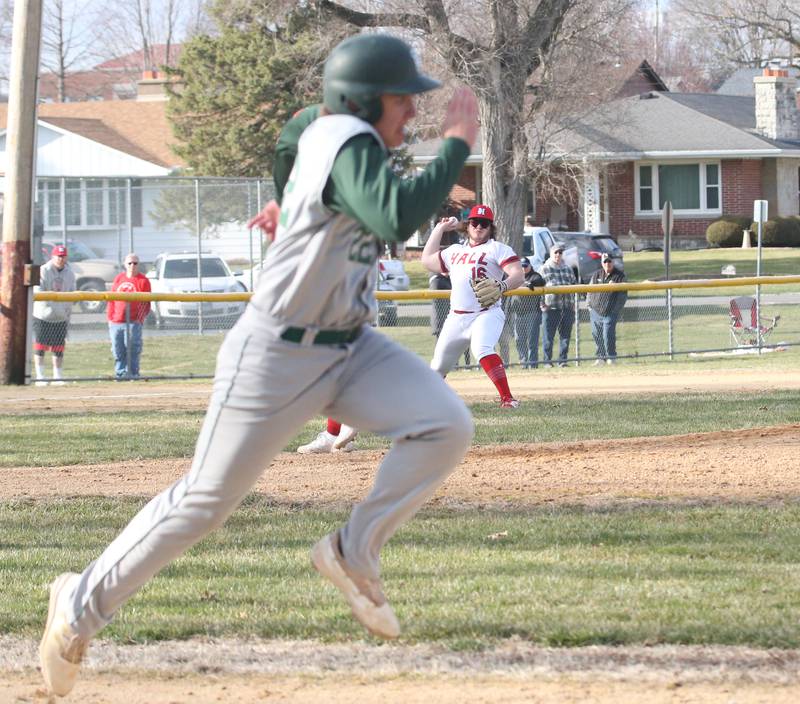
(488, 291)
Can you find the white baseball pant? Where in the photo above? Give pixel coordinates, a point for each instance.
(480, 331)
(265, 389)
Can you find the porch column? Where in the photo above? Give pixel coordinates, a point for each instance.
(591, 197)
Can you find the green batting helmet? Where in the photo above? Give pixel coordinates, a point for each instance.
(362, 68)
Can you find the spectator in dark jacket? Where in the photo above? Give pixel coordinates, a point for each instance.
(527, 316)
(604, 310)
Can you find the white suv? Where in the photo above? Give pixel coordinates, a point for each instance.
(177, 273)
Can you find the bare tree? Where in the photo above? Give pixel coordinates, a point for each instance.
(519, 56)
(64, 39)
(745, 32)
(145, 26)
(6, 23)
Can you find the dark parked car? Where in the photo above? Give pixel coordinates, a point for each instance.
(588, 248)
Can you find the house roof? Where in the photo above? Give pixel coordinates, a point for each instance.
(137, 128)
(658, 125)
(135, 60)
(740, 82)
(672, 123)
(640, 79)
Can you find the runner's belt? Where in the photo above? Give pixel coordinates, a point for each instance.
(320, 337)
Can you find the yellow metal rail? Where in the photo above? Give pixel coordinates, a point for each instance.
(424, 294)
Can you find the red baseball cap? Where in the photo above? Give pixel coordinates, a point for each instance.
(481, 211)
(59, 251)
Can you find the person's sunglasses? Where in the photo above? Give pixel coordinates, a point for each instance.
(480, 222)
(131, 263)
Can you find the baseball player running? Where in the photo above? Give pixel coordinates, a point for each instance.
(336, 437)
(305, 346)
(480, 270)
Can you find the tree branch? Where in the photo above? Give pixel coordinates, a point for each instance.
(542, 27)
(374, 19)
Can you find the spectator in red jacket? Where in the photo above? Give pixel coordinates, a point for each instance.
(125, 320)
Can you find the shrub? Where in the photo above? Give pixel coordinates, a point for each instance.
(778, 232)
(727, 231)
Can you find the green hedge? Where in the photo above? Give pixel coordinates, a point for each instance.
(727, 231)
(778, 232)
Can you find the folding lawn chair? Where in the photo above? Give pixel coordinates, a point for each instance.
(744, 324)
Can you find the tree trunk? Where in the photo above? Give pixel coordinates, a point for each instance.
(505, 154)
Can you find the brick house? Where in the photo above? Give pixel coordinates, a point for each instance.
(708, 154)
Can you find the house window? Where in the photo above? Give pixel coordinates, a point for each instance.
(94, 202)
(117, 201)
(690, 187)
(645, 188)
(72, 201)
(89, 202)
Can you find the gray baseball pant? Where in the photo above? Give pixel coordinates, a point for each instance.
(265, 389)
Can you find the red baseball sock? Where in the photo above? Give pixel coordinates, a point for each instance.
(493, 366)
(334, 427)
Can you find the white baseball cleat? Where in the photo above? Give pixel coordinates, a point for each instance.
(344, 440)
(322, 443)
(509, 403)
(61, 649)
(365, 596)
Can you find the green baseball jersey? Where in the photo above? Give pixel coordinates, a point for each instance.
(320, 272)
(362, 185)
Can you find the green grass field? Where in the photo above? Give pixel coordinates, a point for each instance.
(467, 577)
(97, 437)
(658, 573)
(559, 577)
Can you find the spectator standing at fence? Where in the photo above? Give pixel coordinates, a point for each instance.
(528, 318)
(126, 318)
(604, 310)
(558, 314)
(51, 318)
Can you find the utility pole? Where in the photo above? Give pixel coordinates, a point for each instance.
(658, 20)
(18, 201)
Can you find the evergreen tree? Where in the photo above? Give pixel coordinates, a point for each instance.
(237, 89)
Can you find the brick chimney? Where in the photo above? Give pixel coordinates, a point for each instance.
(151, 86)
(776, 105)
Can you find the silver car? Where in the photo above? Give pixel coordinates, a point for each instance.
(583, 251)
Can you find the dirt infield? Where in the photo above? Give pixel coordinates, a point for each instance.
(758, 465)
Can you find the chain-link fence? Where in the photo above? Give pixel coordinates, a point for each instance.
(107, 218)
(190, 237)
(701, 321)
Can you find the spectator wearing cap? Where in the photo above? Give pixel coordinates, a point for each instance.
(51, 318)
(527, 318)
(558, 314)
(125, 320)
(604, 310)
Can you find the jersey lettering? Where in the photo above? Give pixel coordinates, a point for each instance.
(364, 249)
(468, 258)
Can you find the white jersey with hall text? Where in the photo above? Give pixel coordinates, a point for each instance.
(465, 262)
